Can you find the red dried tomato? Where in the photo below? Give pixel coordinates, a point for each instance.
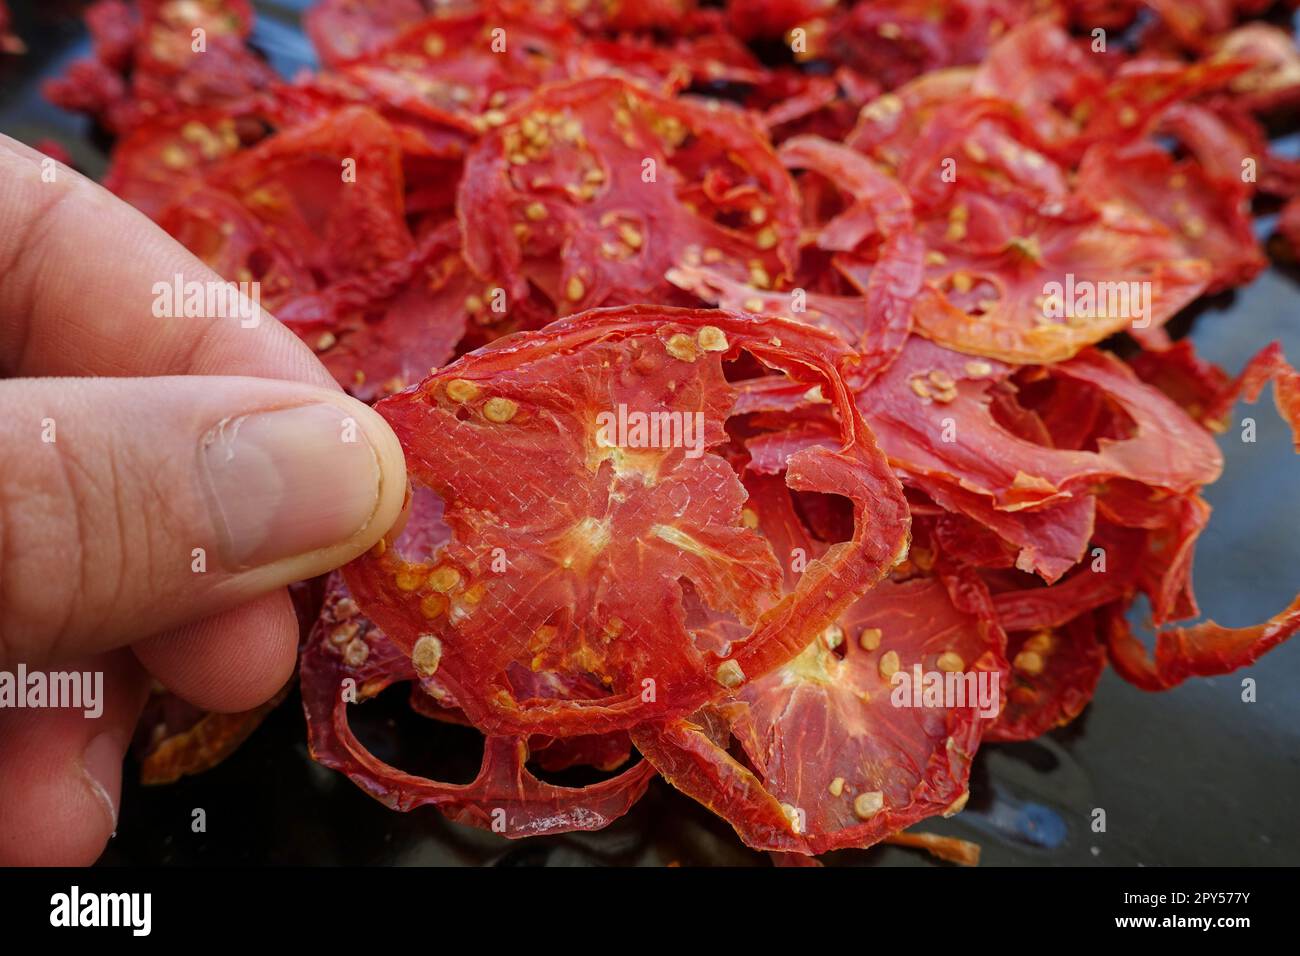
(1202, 650)
(624, 563)
(592, 190)
(9, 41)
(1208, 216)
(347, 660)
(1054, 672)
(343, 30)
(1025, 283)
(1270, 365)
(834, 759)
(175, 739)
(317, 215)
(1273, 80)
(932, 216)
(932, 415)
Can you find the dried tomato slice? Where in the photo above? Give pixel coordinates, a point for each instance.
(1209, 216)
(931, 392)
(880, 204)
(346, 659)
(1054, 672)
(1048, 541)
(1192, 382)
(1270, 365)
(332, 252)
(175, 739)
(334, 218)
(876, 324)
(1025, 283)
(1202, 650)
(592, 542)
(148, 62)
(154, 162)
(504, 797)
(1273, 80)
(592, 190)
(843, 316)
(380, 331)
(343, 30)
(899, 39)
(834, 762)
(459, 68)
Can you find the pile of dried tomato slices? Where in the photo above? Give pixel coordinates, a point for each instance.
(748, 360)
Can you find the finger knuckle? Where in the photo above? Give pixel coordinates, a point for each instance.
(62, 535)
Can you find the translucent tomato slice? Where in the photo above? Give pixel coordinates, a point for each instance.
(833, 760)
(588, 552)
(348, 660)
(1054, 672)
(1010, 279)
(593, 190)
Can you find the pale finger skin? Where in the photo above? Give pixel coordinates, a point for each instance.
(231, 661)
(78, 271)
(61, 771)
(132, 506)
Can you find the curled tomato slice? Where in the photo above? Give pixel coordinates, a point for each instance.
(598, 556)
(175, 739)
(1054, 672)
(1269, 365)
(1201, 650)
(931, 392)
(592, 190)
(348, 660)
(840, 754)
(1037, 283)
(880, 204)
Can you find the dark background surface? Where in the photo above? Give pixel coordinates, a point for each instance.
(1193, 776)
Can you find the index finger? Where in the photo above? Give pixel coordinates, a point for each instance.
(78, 270)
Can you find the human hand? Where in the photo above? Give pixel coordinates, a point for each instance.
(154, 505)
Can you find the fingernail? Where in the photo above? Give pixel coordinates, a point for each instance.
(289, 482)
(102, 762)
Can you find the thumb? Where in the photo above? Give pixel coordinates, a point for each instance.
(131, 506)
